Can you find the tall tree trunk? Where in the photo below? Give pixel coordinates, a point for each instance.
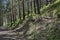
(31, 6)
(34, 5)
(39, 3)
(19, 10)
(12, 16)
(1, 18)
(1, 14)
(28, 8)
(46, 2)
(23, 10)
(38, 9)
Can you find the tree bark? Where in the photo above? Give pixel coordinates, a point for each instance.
(38, 9)
(34, 6)
(23, 10)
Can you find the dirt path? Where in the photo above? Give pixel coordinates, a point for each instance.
(10, 35)
(7, 35)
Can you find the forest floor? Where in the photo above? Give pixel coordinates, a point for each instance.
(26, 30)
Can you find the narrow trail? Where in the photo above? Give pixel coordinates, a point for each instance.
(14, 35)
(9, 35)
